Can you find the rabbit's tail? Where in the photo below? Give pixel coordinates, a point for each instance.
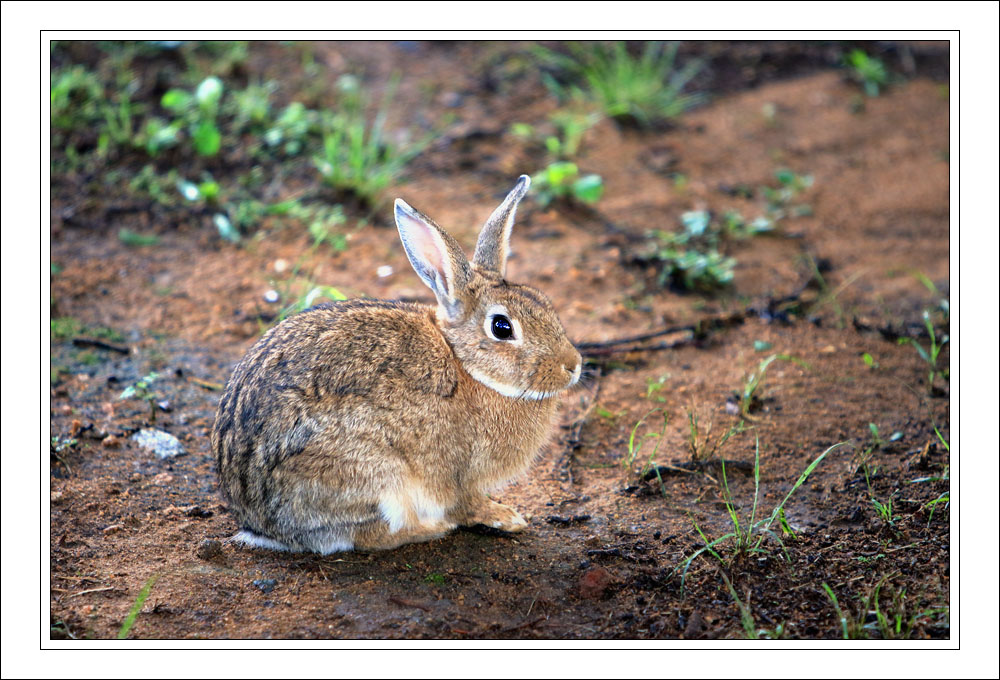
(253, 540)
(324, 542)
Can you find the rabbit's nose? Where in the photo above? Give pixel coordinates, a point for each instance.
(574, 368)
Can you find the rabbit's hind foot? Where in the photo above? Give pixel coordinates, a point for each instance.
(494, 515)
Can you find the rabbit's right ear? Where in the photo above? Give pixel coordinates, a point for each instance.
(494, 239)
(436, 257)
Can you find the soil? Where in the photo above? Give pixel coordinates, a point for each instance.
(605, 552)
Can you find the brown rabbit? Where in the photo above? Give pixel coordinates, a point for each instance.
(369, 424)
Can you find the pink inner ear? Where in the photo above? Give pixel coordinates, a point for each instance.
(429, 249)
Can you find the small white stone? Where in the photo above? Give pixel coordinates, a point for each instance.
(280, 265)
(271, 296)
(163, 444)
(384, 271)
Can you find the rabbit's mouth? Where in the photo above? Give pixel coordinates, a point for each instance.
(515, 392)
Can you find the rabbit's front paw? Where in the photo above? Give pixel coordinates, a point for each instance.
(494, 515)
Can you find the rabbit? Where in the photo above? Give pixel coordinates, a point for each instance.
(370, 424)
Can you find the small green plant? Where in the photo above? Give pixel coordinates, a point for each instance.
(748, 537)
(562, 180)
(117, 131)
(867, 71)
(159, 188)
(75, 95)
(847, 628)
(158, 134)
(945, 476)
(695, 270)
(701, 445)
(828, 295)
(884, 510)
(570, 125)
(357, 156)
(750, 629)
(654, 385)
(637, 440)
(143, 389)
(250, 108)
(207, 190)
(608, 415)
(137, 607)
(435, 578)
(882, 613)
(64, 328)
(323, 225)
(944, 305)
(930, 354)
(221, 56)
(931, 506)
(134, 239)
(690, 258)
(750, 397)
(646, 90)
(734, 225)
(778, 199)
(863, 459)
(892, 623)
(293, 128)
(196, 112)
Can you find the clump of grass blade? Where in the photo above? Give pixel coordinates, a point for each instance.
(749, 537)
(646, 90)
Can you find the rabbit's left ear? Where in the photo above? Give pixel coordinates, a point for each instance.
(436, 257)
(494, 239)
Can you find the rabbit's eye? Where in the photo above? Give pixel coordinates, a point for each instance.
(501, 327)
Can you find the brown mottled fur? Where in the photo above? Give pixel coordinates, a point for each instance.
(358, 424)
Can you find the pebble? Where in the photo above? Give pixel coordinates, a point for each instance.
(384, 271)
(452, 99)
(162, 479)
(163, 444)
(594, 582)
(266, 585)
(209, 549)
(271, 296)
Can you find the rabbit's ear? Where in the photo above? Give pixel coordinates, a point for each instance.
(494, 239)
(436, 257)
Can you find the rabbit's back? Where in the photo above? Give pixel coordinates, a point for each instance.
(330, 383)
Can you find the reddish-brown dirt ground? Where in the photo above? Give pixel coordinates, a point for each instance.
(605, 552)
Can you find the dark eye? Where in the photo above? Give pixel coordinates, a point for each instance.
(501, 327)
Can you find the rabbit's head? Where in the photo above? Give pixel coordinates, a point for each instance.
(507, 336)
